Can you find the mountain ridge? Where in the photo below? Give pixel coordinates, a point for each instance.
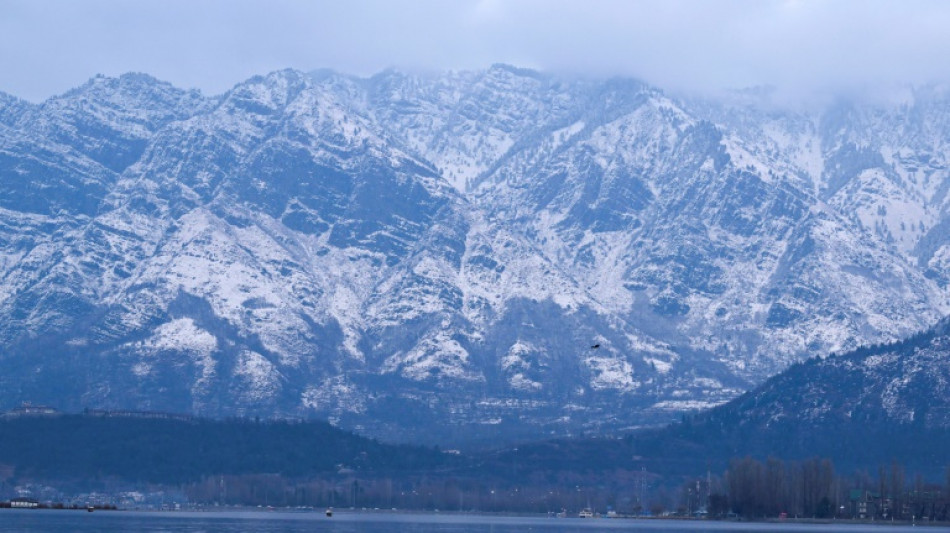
(444, 250)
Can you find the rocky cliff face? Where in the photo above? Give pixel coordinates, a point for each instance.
(434, 257)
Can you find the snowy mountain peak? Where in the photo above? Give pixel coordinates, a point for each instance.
(494, 253)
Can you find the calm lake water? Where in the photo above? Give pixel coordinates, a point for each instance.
(342, 522)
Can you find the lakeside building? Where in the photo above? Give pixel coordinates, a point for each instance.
(28, 409)
(24, 503)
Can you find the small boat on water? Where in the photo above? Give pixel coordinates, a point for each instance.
(329, 512)
(586, 513)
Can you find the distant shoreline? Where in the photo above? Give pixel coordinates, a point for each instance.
(428, 516)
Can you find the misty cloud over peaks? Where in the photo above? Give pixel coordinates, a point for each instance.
(798, 46)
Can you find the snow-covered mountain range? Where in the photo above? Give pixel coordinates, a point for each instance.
(426, 257)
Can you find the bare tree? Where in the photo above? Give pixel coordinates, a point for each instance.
(897, 485)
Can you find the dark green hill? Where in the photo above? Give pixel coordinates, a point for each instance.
(156, 449)
(873, 405)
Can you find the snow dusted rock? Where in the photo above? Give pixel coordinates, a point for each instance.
(435, 257)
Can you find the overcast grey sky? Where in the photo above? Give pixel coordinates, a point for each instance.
(50, 46)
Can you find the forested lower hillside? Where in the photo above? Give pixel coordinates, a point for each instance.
(177, 450)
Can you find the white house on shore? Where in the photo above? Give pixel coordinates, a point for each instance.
(24, 503)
